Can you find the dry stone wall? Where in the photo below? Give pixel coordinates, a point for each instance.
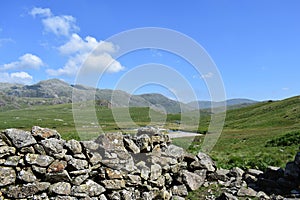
(40, 165)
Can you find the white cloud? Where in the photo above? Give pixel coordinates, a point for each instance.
(285, 88)
(59, 25)
(25, 62)
(94, 55)
(43, 12)
(77, 45)
(17, 77)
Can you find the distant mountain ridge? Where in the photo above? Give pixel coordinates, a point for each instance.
(230, 103)
(55, 91)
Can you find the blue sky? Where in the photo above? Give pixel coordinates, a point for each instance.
(254, 44)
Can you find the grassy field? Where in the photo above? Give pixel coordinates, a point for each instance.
(256, 136)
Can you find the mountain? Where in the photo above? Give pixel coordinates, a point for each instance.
(163, 102)
(55, 91)
(231, 103)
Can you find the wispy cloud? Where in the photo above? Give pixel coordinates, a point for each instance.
(285, 88)
(27, 61)
(62, 25)
(5, 40)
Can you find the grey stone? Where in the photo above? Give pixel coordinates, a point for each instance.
(111, 141)
(134, 179)
(20, 138)
(90, 145)
(144, 143)
(174, 151)
(58, 176)
(102, 197)
(156, 171)
(206, 162)
(39, 170)
(43, 133)
(25, 150)
(114, 184)
(26, 175)
(236, 172)
(246, 192)
(179, 190)
(220, 174)
(74, 146)
(255, 172)
(60, 188)
(95, 158)
(53, 145)
(12, 161)
(177, 198)
(78, 164)
(40, 160)
(192, 180)
(7, 176)
(27, 190)
(39, 149)
(90, 188)
(131, 146)
(78, 180)
(6, 151)
(261, 195)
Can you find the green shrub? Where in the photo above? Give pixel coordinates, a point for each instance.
(289, 139)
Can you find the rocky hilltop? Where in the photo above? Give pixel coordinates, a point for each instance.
(40, 165)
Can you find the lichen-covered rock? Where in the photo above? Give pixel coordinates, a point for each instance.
(26, 175)
(175, 151)
(60, 188)
(6, 151)
(12, 161)
(156, 171)
(7, 176)
(206, 162)
(131, 146)
(26, 190)
(53, 146)
(74, 146)
(192, 180)
(20, 138)
(246, 192)
(114, 184)
(90, 188)
(40, 160)
(43, 133)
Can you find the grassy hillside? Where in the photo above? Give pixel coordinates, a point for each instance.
(284, 113)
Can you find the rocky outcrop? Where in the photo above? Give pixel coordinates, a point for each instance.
(40, 165)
